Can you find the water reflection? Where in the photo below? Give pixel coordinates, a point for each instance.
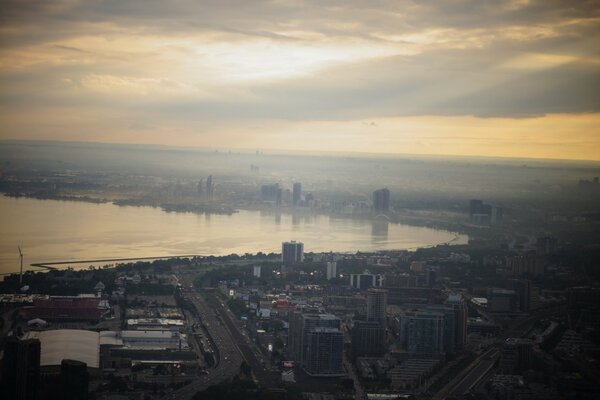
(379, 230)
(59, 231)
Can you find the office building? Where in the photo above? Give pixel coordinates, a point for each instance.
(210, 188)
(368, 339)
(377, 305)
(297, 193)
(292, 252)
(365, 281)
(522, 288)
(301, 326)
(449, 326)
(324, 355)
(381, 200)
(21, 369)
(271, 193)
(75, 380)
(425, 333)
(256, 271)
(331, 270)
(461, 315)
(421, 332)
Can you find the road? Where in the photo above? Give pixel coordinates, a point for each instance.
(485, 363)
(228, 355)
(264, 376)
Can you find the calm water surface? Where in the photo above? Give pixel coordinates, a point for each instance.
(50, 230)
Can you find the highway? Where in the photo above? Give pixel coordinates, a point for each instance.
(264, 377)
(227, 353)
(484, 364)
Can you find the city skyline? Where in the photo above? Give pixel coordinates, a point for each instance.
(513, 79)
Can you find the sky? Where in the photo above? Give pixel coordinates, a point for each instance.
(511, 78)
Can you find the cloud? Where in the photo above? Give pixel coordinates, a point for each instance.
(214, 63)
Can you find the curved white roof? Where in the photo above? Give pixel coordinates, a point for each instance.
(72, 344)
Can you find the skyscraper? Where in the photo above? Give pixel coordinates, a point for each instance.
(297, 193)
(368, 339)
(210, 188)
(325, 348)
(424, 332)
(460, 320)
(292, 252)
(21, 369)
(313, 348)
(200, 187)
(381, 200)
(377, 305)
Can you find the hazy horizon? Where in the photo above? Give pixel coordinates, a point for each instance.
(316, 153)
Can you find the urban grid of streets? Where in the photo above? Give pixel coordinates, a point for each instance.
(230, 346)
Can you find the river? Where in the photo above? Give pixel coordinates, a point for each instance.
(49, 230)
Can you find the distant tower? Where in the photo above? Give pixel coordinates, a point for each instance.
(331, 270)
(200, 188)
(21, 369)
(297, 193)
(210, 189)
(256, 271)
(381, 200)
(292, 252)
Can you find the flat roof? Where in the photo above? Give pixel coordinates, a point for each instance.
(73, 344)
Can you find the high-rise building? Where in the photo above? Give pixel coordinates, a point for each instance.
(522, 288)
(301, 325)
(210, 188)
(461, 316)
(292, 252)
(200, 188)
(21, 369)
(324, 354)
(256, 271)
(450, 326)
(368, 339)
(381, 200)
(365, 281)
(377, 305)
(331, 270)
(75, 380)
(422, 332)
(270, 192)
(297, 193)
